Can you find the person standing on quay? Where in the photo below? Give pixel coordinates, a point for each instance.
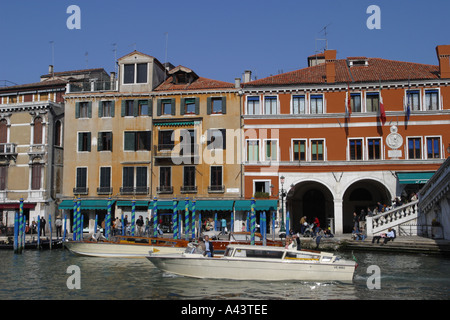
(43, 222)
(58, 224)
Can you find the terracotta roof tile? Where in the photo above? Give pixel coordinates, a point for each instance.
(377, 70)
(199, 84)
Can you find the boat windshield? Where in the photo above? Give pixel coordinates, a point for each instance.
(255, 253)
(301, 256)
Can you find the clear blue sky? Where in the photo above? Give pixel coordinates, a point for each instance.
(217, 39)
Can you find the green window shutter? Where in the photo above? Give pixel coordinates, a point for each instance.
(77, 110)
(122, 112)
(113, 107)
(129, 141)
(173, 106)
(224, 105)
(89, 109)
(158, 107)
(99, 142)
(208, 105)
(150, 108)
(182, 106)
(89, 141)
(136, 108)
(80, 141)
(100, 109)
(197, 106)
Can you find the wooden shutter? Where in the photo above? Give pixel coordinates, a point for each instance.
(224, 105)
(208, 105)
(172, 102)
(77, 110)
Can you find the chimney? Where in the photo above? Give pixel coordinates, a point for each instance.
(237, 83)
(443, 54)
(50, 70)
(330, 65)
(247, 76)
(112, 79)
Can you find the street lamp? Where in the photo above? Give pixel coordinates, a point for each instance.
(283, 194)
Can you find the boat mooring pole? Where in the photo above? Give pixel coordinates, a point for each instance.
(39, 232)
(193, 219)
(65, 228)
(186, 218)
(50, 226)
(155, 217)
(175, 219)
(16, 232)
(133, 217)
(253, 222)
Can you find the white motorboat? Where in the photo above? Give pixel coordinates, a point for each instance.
(126, 247)
(246, 262)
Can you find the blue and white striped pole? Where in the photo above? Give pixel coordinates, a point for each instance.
(75, 222)
(155, 217)
(253, 222)
(16, 232)
(193, 219)
(108, 219)
(273, 225)
(79, 218)
(50, 226)
(20, 231)
(123, 226)
(133, 217)
(186, 218)
(175, 219)
(22, 240)
(81, 228)
(65, 228)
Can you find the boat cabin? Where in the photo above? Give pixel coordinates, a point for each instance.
(278, 253)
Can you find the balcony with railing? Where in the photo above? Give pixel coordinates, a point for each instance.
(91, 86)
(104, 190)
(216, 189)
(8, 149)
(188, 189)
(142, 190)
(81, 190)
(164, 189)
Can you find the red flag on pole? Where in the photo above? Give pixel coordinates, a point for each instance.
(382, 111)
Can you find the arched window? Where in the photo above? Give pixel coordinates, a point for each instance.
(37, 135)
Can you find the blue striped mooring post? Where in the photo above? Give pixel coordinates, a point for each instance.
(186, 218)
(252, 222)
(193, 219)
(155, 217)
(74, 222)
(108, 220)
(133, 217)
(16, 232)
(175, 219)
(50, 226)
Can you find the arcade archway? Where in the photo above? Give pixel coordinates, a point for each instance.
(311, 199)
(361, 195)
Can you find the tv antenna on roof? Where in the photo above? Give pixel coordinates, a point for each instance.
(325, 33)
(115, 56)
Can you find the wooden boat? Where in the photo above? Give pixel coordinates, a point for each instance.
(138, 247)
(125, 247)
(44, 244)
(244, 262)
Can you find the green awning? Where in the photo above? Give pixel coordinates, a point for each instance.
(129, 203)
(260, 205)
(163, 205)
(414, 177)
(213, 205)
(171, 124)
(86, 204)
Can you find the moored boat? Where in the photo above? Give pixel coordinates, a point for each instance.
(138, 247)
(125, 247)
(247, 262)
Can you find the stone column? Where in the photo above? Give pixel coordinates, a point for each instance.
(338, 216)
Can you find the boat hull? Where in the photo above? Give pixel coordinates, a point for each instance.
(118, 250)
(246, 269)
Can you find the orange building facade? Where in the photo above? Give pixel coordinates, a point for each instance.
(345, 134)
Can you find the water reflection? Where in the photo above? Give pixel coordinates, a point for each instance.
(42, 275)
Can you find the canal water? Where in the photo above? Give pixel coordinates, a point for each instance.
(44, 275)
